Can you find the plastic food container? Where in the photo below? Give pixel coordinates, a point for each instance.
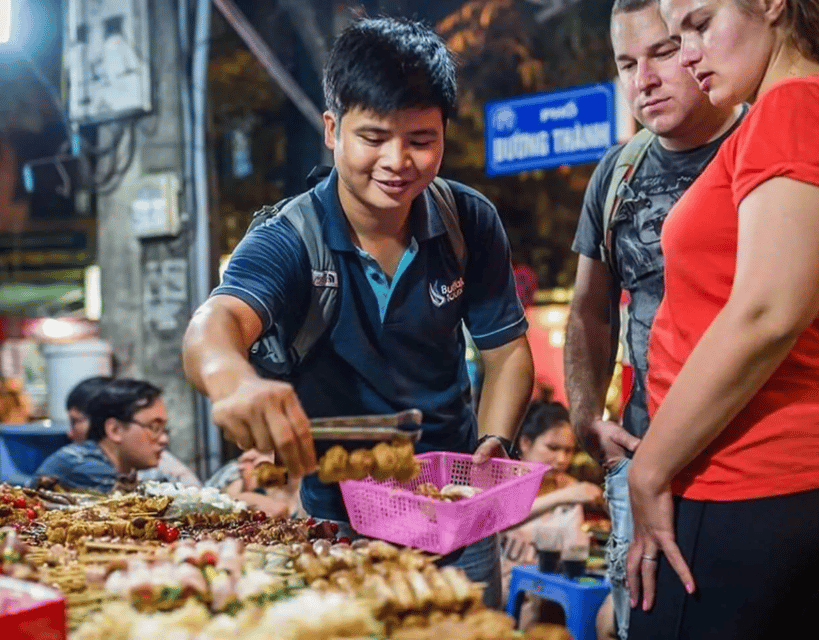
(390, 510)
(30, 611)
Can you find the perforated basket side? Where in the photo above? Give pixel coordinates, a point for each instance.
(390, 511)
(383, 511)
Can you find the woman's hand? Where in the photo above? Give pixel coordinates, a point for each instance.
(653, 512)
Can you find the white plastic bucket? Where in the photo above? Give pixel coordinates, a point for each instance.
(68, 364)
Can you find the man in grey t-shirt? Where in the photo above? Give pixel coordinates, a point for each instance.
(665, 98)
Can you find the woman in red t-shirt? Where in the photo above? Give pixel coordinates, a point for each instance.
(725, 485)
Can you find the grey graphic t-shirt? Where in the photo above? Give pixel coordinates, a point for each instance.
(658, 183)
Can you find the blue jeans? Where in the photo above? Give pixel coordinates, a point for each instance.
(622, 529)
(481, 563)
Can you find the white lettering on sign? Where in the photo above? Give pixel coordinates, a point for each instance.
(565, 112)
(581, 137)
(520, 146)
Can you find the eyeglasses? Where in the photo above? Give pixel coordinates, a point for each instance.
(157, 429)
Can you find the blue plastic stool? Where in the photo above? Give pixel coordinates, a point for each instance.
(580, 601)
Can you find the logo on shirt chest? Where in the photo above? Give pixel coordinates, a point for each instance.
(440, 294)
(325, 279)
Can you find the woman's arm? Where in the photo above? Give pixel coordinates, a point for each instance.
(775, 297)
(576, 493)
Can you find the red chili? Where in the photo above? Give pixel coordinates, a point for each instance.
(334, 527)
(343, 540)
(171, 534)
(7, 498)
(258, 516)
(20, 503)
(161, 528)
(31, 513)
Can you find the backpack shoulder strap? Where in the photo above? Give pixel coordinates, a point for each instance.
(300, 213)
(445, 201)
(323, 275)
(267, 212)
(627, 162)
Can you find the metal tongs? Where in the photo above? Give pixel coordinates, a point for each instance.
(377, 428)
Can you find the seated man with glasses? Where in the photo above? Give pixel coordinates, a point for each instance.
(169, 469)
(128, 431)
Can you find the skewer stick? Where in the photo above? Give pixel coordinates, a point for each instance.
(118, 546)
(282, 571)
(79, 599)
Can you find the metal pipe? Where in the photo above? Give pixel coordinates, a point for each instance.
(271, 63)
(201, 243)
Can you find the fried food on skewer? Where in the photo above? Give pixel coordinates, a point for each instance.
(385, 461)
(361, 464)
(332, 466)
(269, 475)
(407, 466)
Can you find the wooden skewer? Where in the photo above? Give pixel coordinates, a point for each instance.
(103, 558)
(118, 546)
(78, 599)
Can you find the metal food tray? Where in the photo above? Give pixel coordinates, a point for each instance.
(376, 428)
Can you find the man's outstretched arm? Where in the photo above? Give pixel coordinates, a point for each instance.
(253, 411)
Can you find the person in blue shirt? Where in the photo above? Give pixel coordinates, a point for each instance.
(397, 340)
(169, 469)
(127, 431)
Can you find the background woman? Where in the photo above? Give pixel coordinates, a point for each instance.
(734, 355)
(546, 437)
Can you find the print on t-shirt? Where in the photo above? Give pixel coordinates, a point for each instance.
(658, 183)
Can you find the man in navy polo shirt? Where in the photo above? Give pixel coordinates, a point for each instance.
(397, 340)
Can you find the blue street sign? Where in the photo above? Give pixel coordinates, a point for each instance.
(549, 129)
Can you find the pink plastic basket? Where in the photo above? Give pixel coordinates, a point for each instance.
(390, 511)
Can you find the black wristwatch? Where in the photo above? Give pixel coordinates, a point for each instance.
(506, 443)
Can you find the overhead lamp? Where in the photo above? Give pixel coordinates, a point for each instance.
(5, 21)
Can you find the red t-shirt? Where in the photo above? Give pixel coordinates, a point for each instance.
(772, 446)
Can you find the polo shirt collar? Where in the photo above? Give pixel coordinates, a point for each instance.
(424, 216)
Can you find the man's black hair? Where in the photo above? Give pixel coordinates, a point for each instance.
(386, 65)
(84, 390)
(542, 416)
(119, 399)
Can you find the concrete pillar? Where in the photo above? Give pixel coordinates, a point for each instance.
(146, 292)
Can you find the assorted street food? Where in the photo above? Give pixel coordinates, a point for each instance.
(447, 493)
(139, 561)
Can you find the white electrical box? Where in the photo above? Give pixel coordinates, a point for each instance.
(155, 207)
(107, 54)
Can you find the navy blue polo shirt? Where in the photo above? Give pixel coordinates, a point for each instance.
(409, 350)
